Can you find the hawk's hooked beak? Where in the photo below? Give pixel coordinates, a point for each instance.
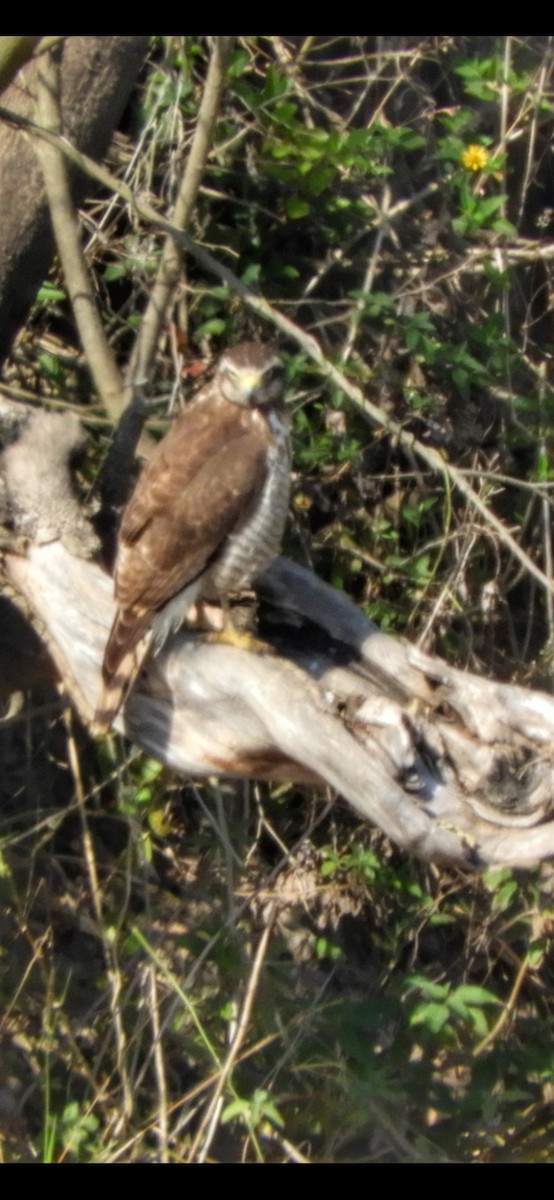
(250, 384)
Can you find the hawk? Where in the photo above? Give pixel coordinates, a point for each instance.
(207, 513)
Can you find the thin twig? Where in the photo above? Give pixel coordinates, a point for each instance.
(186, 1101)
(291, 1152)
(14, 53)
(546, 512)
(504, 105)
(207, 1122)
(48, 43)
(171, 259)
(367, 285)
(533, 133)
(162, 1128)
(508, 1009)
(66, 229)
(112, 965)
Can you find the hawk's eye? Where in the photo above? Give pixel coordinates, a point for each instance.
(275, 373)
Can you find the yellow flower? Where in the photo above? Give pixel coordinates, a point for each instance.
(474, 158)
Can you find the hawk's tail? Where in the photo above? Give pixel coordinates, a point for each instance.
(123, 659)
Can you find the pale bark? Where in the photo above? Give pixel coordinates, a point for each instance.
(453, 767)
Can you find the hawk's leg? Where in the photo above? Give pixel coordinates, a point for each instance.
(238, 623)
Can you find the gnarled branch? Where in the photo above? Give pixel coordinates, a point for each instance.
(454, 768)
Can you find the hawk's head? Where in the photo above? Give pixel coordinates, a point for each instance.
(252, 375)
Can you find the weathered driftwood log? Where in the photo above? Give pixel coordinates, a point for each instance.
(453, 767)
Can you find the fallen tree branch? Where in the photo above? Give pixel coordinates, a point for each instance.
(454, 768)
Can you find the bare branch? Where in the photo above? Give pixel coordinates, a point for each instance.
(14, 52)
(171, 260)
(209, 1119)
(66, 228)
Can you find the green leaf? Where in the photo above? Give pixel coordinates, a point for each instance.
(319, 180)
(115, 271)
(285, 112)
(50, 294)
(435, 991)
(489, 205)
(433, 1016)
(536, 953)
(326, 949)
(238, 62)
(237, 1108)
(501, 225)
(420, 570)
(52, 367)
(271, 1112)
(282, 150)
(214, 326)
(479, 1022)
(297, 207)
(470, 993)
(276, 84)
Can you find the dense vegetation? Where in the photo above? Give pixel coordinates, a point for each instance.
(247, 973)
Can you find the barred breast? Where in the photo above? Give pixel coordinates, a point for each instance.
(252, 547)
(248, 550)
